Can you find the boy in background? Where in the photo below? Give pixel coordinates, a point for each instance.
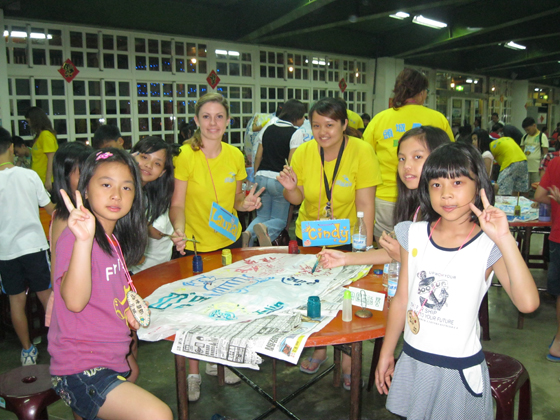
(23, 245)
(22, 152)
(107, 136)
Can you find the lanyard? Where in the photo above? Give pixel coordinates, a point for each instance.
(120, 256)
(328, 190)
(211, 177)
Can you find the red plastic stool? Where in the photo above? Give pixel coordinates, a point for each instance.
(507, 376)
(26, 391)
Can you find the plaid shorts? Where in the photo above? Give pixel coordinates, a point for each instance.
(515, 178)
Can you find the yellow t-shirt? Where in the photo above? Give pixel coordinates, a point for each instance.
(384, 132)
(354, 119)
(358, 169)
(227, 169)
(45, 143)
(506, 151)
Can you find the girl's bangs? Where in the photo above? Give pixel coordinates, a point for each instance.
(448, 165)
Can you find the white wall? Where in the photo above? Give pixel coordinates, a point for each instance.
(388, 69)
(519, 99)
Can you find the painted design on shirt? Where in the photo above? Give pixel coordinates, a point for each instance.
(230, 178)
(121, 305)
(344, 182)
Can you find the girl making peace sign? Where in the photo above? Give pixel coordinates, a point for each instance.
(89, 336)
(447, 263)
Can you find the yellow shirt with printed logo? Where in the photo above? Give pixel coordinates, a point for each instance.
(358, 169)
(45, 143)
(384, 132)
(225, 171)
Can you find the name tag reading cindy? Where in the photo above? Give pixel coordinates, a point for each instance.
(223, 222)
(325, 232)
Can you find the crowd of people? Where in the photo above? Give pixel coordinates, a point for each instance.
(426, 198)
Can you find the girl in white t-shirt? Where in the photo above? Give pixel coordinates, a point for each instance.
(155, 160)
(446, 267)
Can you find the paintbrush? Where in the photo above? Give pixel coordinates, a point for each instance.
(184, 238)
(517, 208)
(194, 244)
(317, 262)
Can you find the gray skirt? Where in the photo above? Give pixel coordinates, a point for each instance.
(422, 391)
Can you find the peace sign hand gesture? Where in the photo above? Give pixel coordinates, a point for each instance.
(81, 222)
(252, 201)
(493, 221)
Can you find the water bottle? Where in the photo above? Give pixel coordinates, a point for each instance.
(393, 279)
(385, 276)
(359, 236)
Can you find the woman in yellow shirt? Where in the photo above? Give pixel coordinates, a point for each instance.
(44, 144)
(385, 130)
(333, 176)
(208, 171)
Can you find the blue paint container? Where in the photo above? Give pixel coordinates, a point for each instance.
(197, 264)
(313, 307)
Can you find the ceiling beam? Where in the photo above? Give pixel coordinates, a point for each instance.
(367, 18)
(488, 44)
(301, 11)
(510, 64)
(484, 31)
(546, 76)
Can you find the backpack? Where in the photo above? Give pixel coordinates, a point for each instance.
(525, 136)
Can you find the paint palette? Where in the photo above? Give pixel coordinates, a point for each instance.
(138, 308)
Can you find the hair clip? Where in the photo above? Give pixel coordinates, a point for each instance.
(103, 155)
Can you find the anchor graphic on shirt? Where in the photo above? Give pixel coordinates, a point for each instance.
(432, 297)
(429, 284)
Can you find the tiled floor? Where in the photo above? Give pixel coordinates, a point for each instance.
(325, 402)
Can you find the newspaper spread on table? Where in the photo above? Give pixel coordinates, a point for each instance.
(257, 305)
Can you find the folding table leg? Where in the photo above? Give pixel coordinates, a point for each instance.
(356, 381)
(182, 389)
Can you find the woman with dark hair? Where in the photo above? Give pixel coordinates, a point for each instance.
(279, 142)
(332, 177)
(414, 148)
(44, 144)
(385, 130)
(481, 140)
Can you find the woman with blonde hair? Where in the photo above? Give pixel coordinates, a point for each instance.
(208, 173)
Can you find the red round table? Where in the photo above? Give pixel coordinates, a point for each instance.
(335, 333)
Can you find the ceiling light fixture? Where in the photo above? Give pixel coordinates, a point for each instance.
(515, 46)
(469, 80)
(421, 20)
(400, 15)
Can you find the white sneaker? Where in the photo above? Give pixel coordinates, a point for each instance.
(29, 357)
(193, 386)
(230, 378)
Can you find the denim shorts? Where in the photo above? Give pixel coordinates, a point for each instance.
(86, 392)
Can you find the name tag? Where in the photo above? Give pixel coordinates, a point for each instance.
(223, 222)
(325, 232)
(367, 298)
